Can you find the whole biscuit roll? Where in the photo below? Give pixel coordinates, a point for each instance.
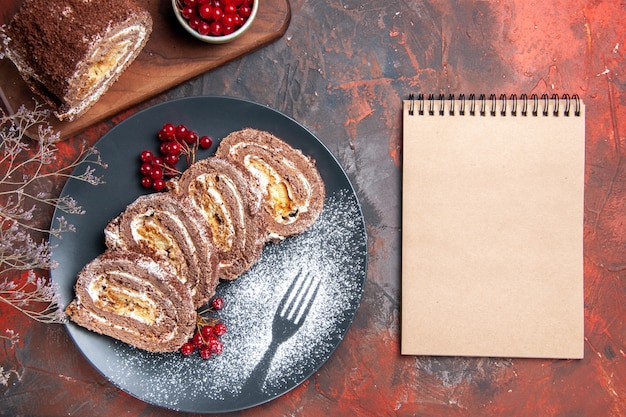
(70, 52)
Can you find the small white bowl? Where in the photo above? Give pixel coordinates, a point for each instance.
(177, 5)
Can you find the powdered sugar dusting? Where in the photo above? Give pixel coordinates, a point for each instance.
(333, 249)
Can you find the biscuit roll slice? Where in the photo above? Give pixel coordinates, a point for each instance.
(292, 188)
(135, 299)
(70, 52)
(168, 228)
(221, 191)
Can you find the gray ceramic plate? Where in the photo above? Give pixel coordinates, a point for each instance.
(334, 249)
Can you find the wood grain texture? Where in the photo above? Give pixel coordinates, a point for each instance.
(170, 57)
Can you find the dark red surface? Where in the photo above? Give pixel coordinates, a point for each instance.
(342, 69)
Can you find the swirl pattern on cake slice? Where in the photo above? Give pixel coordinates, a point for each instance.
(135, 299)
(220, 190)
(168, 228)
(292, 188)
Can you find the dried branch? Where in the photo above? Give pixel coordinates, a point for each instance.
(24, 163)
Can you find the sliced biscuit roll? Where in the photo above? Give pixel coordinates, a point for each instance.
(220, 190)
(168, 228)
(292, 188)
(135, 299)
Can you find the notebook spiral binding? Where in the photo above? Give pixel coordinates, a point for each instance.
(534, 105)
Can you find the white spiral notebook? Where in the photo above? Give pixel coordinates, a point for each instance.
(492, 226)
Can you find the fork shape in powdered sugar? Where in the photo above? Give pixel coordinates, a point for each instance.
(288, 319)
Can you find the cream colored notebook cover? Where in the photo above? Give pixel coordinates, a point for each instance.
(492, 227)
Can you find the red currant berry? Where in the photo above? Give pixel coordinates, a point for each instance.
(188, 12)
(219, 329)
(192, 137)
(205, 142)
(169, 148)
(146, 156)
(172, 148)
(204, 28)
(146, 182)
(217, 13)
(228, 20)
(157, 172)
(204, 10)
(245, 11)
(206, 332)
(167, 132)
(171, 160)
(159, 184)
(169, 128)
(216, 346)
(194, 22)
(227, 30)
(181, 131)
(191, 3)
(164, 148)
(175, 148)
(217, 303)
(197, 341)
(216, 28)
(146, 169)
(157, 161)
(230, 8)
(205, 352)
(187, 349)
(212, 336)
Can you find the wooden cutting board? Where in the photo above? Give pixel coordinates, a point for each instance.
(170, 57)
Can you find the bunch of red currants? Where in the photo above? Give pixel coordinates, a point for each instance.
(206, 339)
(175, 141)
